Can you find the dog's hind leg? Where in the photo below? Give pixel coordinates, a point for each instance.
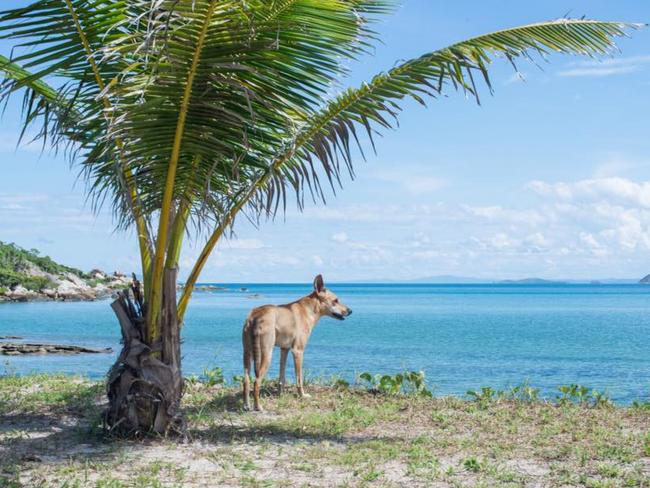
(283, 368)
(248, 357)
(263, 352)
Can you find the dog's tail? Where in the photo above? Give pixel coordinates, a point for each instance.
(255, 341)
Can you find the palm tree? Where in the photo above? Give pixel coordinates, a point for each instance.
(184, 114)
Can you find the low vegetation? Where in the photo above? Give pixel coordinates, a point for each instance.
(16, 265)
(361, 435)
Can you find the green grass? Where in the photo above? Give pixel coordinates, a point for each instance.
(339, 437)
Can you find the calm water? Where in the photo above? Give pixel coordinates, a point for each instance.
(462, 336)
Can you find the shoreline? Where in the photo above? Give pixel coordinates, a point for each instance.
(526, 391)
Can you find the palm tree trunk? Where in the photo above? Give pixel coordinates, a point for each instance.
(145, 384)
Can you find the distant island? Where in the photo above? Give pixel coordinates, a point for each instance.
(25, 275)
(465, 280)
(532, 281)
(645, 280)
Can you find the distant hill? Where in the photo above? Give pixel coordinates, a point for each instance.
(645, 279)
(532, 281)
(26, 275)
(437, 279)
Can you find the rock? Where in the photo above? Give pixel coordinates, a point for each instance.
(98, 274)
(10, 338)
(76, 280)
(49, 293)
(19, 348)
(20, 294)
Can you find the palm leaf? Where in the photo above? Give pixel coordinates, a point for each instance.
(328, 135)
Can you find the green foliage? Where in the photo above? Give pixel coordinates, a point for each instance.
(525, 393)
(213, 376)
(485, 396)
(340, 383)
(15, 258)
(582, 395)
(641, 405)
(408, 383)
(9, 279)
(15, 261)
(472, 464)
(646, 444)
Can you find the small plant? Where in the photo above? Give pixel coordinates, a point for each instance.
(646, 444)
(601, 399)
(485, 397)
(641, 405)
(573, 394)
(408, 382)
(581, 395)
(523, 393)
(472, 464)
(340, 384)
(213, 376)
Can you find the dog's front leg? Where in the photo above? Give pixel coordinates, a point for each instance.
(297, 361)
(283, 368)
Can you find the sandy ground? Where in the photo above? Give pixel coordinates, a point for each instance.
(50, 436)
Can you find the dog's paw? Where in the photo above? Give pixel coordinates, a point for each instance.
(247, 407)
(305, 395)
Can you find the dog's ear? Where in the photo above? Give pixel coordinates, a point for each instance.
(319, 285)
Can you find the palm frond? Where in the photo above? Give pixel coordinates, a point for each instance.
(328, 138)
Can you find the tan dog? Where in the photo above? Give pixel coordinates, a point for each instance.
(288, 327)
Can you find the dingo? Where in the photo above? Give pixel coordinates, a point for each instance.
(288, 327)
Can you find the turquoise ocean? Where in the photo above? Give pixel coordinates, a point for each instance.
(462, 336)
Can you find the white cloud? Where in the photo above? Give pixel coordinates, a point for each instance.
(497, 213)
(414, 184)
(423, 185)
(340, 237)
(617, 165)
(606, 67)
(516, 77)
(612, 189)
(246, 244)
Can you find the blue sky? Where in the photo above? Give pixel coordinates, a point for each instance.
(549, 177)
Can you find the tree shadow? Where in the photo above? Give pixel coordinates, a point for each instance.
(67, 429)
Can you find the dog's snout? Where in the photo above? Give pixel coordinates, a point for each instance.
(349, 311)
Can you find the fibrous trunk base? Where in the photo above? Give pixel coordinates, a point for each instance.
(145, 385)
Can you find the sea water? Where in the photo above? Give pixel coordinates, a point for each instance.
(462, 336)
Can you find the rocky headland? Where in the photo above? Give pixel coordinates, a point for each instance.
(28, 276)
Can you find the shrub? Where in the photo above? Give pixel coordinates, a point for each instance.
(581, 395)
(408, 382)
(213, 376)
(9, 279)
(485, 396)
(16, 259)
